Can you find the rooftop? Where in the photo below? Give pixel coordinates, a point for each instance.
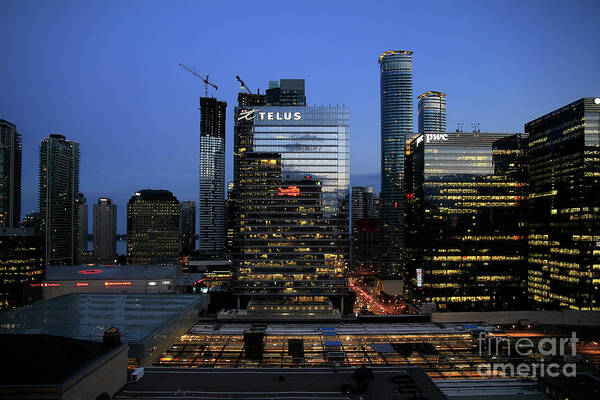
(31, 355)
(391, 52)
(278, 383)
(87, 316)
(110, 272)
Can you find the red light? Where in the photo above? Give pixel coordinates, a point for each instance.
(50, 284)
(82, 284)
(90, 271)
(395, 204)
(117, 283)
(35, 284)
(289, 191)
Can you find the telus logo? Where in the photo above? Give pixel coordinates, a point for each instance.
(249, 115)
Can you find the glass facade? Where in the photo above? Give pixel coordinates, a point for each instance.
(10, 175)
(21, 264)
(211, 200)
(152, 227)
(291, 200)
(58, 190)
(432, 112)
(396, 123)
(564, 207)
(466, 246)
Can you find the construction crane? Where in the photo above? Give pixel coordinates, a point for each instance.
(205, 80)
(243, 84)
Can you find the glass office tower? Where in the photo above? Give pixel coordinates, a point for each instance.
(396, 123)
(58, 190)
(564, 212)
(466, 246)
(291, 200)
(10, 175)
(211, 199)
(152, 227)
(432, 112)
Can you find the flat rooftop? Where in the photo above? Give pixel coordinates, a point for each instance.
(139, 317)
(277, 383)
(110, 272)
(443, 351)
(46, 359)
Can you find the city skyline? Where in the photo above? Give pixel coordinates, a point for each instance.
(156, 98)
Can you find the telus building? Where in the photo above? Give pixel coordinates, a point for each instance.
(291, 204)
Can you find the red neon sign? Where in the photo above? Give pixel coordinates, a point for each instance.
(289, 191)
(90, 271)
(117, 283)
(82, 284)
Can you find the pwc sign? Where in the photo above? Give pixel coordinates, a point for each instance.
(432, 137)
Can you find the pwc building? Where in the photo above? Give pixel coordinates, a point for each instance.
(466, 246)
(291, 200)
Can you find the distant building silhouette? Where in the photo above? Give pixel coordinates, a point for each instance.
(10, 175)
(105, 229)
(58, 189)
(187, 225)
(82, 227)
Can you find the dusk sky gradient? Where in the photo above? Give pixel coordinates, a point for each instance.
(105, 74)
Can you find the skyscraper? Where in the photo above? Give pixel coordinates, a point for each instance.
(105, 229)
(291, 203)
(58, 189)
(10, 175)
(211, 201)
(82, 227)
(286, 92)
(365, 219)
(21, 263)
(564, 207)
(187, 224)
(396, 123)
(432, 112)
(465, 238)
(152, 227)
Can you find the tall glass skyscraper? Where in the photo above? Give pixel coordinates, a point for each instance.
(211, 201)
(432, 112)
(564, 207)
(396, 123)
(291, 202)
(58, 190)
(10, 175)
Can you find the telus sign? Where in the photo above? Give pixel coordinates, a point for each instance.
(250, 115)
(432, 137)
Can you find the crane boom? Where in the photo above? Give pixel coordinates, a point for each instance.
(243, 84)
(205, 80)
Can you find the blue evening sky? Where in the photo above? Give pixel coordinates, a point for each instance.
(104, 73)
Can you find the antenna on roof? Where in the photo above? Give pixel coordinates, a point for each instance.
(475, 127)
(459, 127)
